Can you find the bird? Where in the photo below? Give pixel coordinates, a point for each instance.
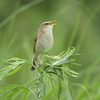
(43, 41)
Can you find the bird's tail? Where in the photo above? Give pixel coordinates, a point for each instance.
(35, 60)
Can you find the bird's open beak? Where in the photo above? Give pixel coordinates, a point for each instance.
(52, 23)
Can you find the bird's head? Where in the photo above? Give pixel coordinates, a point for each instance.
(47, 25)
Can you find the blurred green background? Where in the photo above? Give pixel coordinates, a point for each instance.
(78, 25)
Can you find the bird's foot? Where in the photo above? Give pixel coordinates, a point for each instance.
(49, 54)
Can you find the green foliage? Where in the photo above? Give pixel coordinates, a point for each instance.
(14, 65)
(7, 91)
(78, 25)
(57, 65)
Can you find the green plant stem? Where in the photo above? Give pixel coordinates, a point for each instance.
(39, 89)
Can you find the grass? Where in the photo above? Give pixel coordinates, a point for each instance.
(83, 33)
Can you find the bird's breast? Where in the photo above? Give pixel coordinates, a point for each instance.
(44, 43)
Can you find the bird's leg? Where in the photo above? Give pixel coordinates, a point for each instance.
(49, 54)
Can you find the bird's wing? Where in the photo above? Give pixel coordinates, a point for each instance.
(35, 40)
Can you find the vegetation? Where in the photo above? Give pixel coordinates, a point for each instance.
(50, 66)
(78, 25)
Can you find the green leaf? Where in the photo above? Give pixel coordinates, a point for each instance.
(68, 71)
(51, 80)
(14, 71)
(14, 65)
(64, 58)
(25, 95)
(45, 80)
(59, 88)
(45, 83)
(67, 85)
(7, 91)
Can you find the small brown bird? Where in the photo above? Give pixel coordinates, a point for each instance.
(43, 41)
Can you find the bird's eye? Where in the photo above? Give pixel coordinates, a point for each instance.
(46, 23)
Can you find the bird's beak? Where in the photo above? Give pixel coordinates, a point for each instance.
(52, 23)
